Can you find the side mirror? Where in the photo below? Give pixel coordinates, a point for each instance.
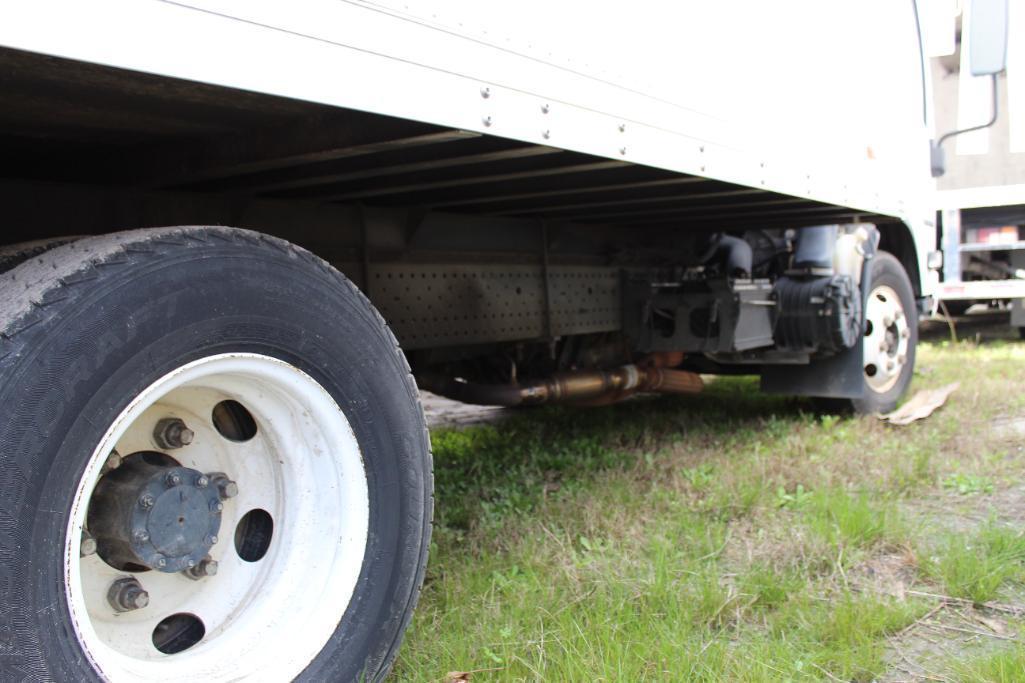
(987, 26)
(987, 44)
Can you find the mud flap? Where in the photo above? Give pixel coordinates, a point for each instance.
(839, 376)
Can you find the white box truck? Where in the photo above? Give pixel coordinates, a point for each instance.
(236, 236)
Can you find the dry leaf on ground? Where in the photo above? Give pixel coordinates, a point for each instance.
(921, 405)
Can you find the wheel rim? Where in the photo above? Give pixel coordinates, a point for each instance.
(284, 575)
(887, 338)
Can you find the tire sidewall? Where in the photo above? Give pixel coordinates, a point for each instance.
(79, 370)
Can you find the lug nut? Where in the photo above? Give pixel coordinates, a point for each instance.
(216, 506)
(88, 545)
(171, 432)
(206, 567)
(212, 540)
(141, 536)
(202, 482)
(126, 595)
(160, 563)
(225, 487)
(174, 479)
(112, 462)
(147, 501)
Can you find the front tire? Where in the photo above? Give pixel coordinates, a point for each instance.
(290, 385)
(891, 336)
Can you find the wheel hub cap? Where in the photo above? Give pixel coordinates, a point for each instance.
(172, 524)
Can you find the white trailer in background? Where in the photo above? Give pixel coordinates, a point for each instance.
(214, 462)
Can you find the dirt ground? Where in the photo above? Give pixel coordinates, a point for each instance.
(443, 412)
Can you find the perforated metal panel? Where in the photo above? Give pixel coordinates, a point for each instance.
(585, 299)
(430, 305)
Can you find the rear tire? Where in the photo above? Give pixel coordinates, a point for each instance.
(93, 336)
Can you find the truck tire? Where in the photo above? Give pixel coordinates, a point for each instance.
(891, 335)
(14, 254)
(214, 466)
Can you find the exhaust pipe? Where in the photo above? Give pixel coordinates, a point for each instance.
(593, 387)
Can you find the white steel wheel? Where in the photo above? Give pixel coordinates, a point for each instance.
(887, 338)
(215, 466)
(890, 337)
(292, 527)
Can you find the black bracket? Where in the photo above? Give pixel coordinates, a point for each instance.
(838, 376)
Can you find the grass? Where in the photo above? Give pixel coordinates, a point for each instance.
(852, 520)
(974, 567)
(967, 484)
(1001, 667)
(729, 536)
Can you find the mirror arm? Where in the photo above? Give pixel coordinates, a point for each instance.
(938, 161)
(992, 120)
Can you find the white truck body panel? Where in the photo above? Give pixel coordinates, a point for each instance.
(825, 101)
(976, 197)
(981, 290)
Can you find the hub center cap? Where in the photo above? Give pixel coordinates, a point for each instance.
(154, 513)
(184, 517)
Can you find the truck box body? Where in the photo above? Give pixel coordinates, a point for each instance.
(801, 113)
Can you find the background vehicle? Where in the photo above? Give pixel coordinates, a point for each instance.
(981, 197)
(214, 463)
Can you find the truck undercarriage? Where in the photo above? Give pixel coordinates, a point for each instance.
(489, 258)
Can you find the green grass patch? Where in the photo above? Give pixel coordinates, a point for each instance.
(1007, 666)
(719, 537)
(770, 588)
(968, 484)
(851, 635)
(974, 567)
(852, 519)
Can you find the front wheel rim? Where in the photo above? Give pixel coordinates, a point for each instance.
(293, 518)
(887, 339)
